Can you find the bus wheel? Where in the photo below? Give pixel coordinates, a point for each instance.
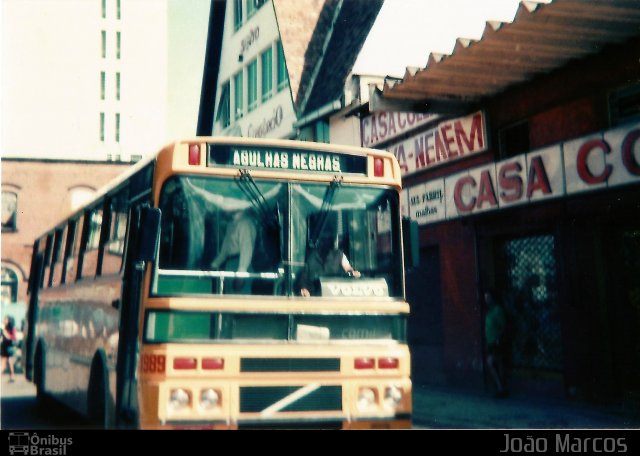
(98, 393)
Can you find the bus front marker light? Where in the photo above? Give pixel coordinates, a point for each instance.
(366, 399)
(378, 167)
(392, 397)
(364, 363)
(213, 363)
(185, 363)
(388, 363)
(179, 399)
(194, 154)
(209, 399)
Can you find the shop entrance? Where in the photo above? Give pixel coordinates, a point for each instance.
(526, 277)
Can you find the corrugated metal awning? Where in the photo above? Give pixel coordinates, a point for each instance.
(541, 38)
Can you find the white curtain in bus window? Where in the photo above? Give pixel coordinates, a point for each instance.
(74, 232)
(90, 260)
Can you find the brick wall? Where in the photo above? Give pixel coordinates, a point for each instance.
(44, 198)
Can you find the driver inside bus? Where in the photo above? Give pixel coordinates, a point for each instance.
(237, 248)
(326, 259)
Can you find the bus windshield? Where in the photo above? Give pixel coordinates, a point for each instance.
(275, 238)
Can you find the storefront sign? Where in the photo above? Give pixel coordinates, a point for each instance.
(267, 125)
(248, 40)
(449, 141)
(595, 162)
(383, 126)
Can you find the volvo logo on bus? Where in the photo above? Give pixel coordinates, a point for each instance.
(354, 287)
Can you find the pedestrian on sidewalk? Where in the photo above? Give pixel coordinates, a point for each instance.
(8, 346)
(495, 329)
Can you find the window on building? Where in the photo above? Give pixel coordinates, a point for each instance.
(104, 9)
(118, 10)
(103, 84)
(283, 77)
(104, 44)
(238, 97)
(624, 104)
(266, 61)
(118, 45)
(252, 85)
(118, 85)
(322, 131)
(224, 106)
(253, 6)
(9, 286)
(102, 126)
(514, 139)
(79, 196)
(237, 14)
(9, 211)
(117, 137)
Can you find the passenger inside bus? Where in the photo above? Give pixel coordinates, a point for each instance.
(237, 248)
(325, 258)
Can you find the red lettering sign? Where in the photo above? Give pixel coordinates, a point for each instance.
(583, 168)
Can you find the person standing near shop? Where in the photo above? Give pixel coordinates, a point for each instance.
(495, 326)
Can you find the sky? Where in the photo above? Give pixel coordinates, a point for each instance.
(407, 31)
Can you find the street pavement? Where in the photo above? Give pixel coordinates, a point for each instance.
(434, 407)
(448, 408)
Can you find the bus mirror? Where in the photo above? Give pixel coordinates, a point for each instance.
(149, 234)
(411, 242)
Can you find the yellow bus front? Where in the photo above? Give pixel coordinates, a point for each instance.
(245, 319)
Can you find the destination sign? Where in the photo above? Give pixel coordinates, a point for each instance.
(285, 159)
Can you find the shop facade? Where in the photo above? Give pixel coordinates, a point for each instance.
(533, 192)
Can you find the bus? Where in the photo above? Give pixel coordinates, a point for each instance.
(135, 323)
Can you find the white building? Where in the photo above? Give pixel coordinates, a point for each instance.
(279, 68)
(100, 79)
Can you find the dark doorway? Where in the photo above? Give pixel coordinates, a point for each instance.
(623, 307)
(425, 321)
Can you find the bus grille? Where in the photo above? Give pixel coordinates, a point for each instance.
(290, 365)
(258, 398)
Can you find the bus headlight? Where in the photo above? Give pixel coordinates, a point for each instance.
(392, 397)
(209, 399)
(179, 399)
(366, 399)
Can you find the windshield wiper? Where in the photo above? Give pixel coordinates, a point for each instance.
(327, 204)
(259, 202)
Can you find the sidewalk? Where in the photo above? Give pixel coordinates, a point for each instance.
(442, 407)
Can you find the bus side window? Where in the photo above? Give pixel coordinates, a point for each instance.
(75, 236)
(67, 250)
(117, 230)
(46, 244)
(90, 260)
(55, 273)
